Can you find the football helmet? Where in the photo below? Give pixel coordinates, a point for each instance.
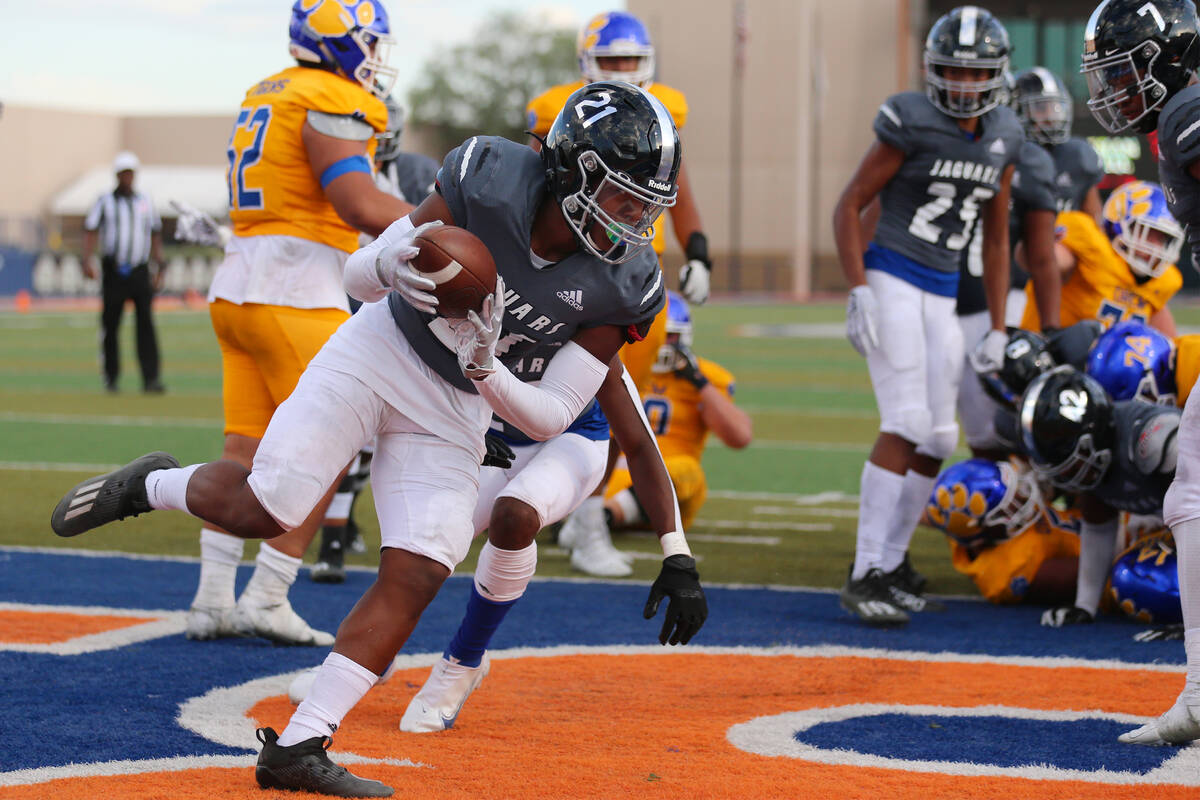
(1043, 105)
(1066, 422)
(968, 37)
(1145, 580)
(679, 320)
(615, 34)
(349, 37)
(1025, 357)
(1136, 56)
(387, 144)
(612, 159)
(1132, 361)
(1141, 227)
(979, 502)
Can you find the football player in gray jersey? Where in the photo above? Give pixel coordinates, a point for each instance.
(1114, 456)
(570, 225)
(1046, 112)
(941, 160)
(1140, 62)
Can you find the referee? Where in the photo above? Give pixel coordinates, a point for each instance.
(130, 235)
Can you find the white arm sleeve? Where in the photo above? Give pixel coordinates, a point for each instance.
(547, 409)
(361, 278)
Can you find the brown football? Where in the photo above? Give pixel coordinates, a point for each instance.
(459, 264)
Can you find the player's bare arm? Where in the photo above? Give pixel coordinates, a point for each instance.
(353, 194)
(721, 415)
(1163, 320)
(996, 250)
(1040, 263)
(878, 166)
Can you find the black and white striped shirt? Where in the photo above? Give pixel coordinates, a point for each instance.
(126, 224)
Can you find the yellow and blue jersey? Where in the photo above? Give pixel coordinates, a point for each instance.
(1004, 572)
(272, 188)
(1101, 286)
(673, 407)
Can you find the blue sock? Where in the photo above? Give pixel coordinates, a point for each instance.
(475, 632)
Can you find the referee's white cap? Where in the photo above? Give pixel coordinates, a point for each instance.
(125, 160)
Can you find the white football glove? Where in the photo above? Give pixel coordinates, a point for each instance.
(988, 355)
(861, 313)
(694, 281)
(194, 226)
(395, 272)
(478, 335)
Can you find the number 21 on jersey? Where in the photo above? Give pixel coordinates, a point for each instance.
(245, 150)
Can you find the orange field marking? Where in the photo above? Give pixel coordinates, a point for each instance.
(614, 726)
(52, 627)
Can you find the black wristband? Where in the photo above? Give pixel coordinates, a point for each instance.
(697, 248)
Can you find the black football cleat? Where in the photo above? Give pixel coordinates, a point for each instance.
(305, 767)
(108, 498)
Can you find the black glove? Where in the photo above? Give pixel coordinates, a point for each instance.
(1163, 633)
(1061, 617)
(1072, 344)
(499, 454)
(687, 609)
(689, 367)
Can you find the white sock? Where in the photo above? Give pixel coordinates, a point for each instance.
(274, 574)
(502, 575)
(220, 554)
(913, 499)
(879, 494)
(631, 514)
(167, 488)
(338, 687)
(1097, 547)
(1187, 549)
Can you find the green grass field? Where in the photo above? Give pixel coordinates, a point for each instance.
(781, 512)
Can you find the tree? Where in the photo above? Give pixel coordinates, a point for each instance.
(483, 86)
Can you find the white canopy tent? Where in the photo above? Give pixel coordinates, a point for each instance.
(201, 187)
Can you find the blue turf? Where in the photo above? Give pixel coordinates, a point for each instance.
(1086, 744)
(56, 706)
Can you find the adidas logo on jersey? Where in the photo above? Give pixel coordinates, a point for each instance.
(998, 147)
(1063, 179)
(573, 298)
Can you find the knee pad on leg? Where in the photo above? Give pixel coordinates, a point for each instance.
(502, 575)
(941, 442)
(914, 424)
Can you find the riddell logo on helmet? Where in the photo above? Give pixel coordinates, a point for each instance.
(662, 187)
(965, 54)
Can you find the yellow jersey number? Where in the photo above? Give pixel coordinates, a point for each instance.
(244, 151)
(1112, 312)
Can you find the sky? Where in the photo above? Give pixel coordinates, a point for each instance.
(200, 56)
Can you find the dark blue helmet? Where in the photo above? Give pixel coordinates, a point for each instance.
(1145, 582)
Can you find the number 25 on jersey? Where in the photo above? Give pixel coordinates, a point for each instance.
(245, 150)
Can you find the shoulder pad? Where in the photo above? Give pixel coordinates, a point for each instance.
(1033, 183)
(340, 126)
(1155, 449)
(1087, 157)
(897, 120)
(1179, 127)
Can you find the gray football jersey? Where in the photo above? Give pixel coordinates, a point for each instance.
(1077, 168)
(1125, 487)
(409, 176)
(493, 188)
(932, 204)
(1032, 190)
(1178, 147)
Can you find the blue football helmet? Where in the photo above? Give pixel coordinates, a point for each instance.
(349, 37)
(1141, 227)
(1132, 361)
(1145, 581)
(679, 321)
(978, 502)
(615, 33)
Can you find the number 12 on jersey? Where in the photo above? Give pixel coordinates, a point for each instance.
(245, 149)
(944, 196)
